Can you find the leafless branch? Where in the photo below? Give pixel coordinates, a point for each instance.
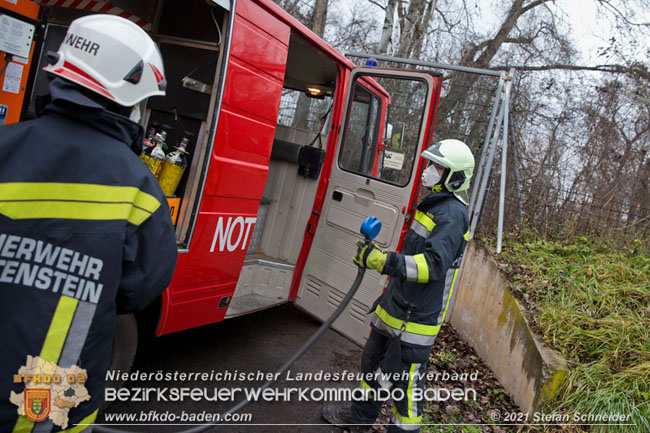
(377, 4)
(608, 5)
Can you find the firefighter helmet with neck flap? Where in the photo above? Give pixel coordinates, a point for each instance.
(458, 161)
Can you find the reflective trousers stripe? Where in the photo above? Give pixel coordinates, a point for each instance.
(404, 422)
(27, 200)
(409, 391)
(383, 379)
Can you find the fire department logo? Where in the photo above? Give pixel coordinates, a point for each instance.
(37, 404)
(50, 391)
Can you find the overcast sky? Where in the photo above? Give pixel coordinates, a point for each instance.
(589, 30)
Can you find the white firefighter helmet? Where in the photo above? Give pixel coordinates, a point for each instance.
(111, 56)
(458, 160)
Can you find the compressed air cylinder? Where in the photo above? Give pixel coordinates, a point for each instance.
(156, 155)
(174, 167)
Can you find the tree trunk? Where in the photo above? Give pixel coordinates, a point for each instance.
(411, 24)
(319, 17)
(387, 29)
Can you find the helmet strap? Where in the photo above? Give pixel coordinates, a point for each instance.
(437, 187)
(445, 175)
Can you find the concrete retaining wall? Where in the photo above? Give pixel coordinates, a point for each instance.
(491, 320)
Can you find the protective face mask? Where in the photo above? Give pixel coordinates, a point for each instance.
(430, 177)
(135, 114)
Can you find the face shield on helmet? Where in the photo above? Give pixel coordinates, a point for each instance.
(458, 161)
(111, 56)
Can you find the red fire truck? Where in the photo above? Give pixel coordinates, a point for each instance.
(293, 146)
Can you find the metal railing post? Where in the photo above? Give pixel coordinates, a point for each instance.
(504, 161)
(486, 175)
(486, 143)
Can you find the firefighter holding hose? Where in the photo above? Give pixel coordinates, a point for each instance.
(408, 315)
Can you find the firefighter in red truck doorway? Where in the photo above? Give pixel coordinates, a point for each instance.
(408, 315)
(85, 230)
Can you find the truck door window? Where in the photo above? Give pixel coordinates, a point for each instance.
(363, 128)
(383, 127)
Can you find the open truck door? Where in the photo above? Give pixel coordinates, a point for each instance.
(369, 177)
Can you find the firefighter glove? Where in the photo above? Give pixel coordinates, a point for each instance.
(369, 256)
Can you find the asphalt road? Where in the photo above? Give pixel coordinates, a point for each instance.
(255, 344)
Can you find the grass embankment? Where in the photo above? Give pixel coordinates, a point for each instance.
(591, 301)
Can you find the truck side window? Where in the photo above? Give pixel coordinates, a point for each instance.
(383, 127)
(300, 112)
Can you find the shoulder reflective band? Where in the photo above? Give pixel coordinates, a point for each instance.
(27, 200)
(423, 219)
(422, 224)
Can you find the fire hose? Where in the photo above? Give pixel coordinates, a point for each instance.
(369, 229)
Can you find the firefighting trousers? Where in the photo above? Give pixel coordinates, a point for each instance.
(404, 382)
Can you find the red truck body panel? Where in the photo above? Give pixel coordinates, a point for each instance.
(237, 172)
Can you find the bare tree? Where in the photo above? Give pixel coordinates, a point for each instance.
(387, 28)
(580, 125)
(319, 17)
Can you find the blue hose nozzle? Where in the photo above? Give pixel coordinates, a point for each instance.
(370, 227)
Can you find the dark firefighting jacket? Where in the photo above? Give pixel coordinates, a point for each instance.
(423, 274)
(85, 233)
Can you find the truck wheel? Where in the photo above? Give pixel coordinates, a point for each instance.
(124, 346)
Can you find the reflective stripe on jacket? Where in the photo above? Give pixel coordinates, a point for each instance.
(423, 274)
